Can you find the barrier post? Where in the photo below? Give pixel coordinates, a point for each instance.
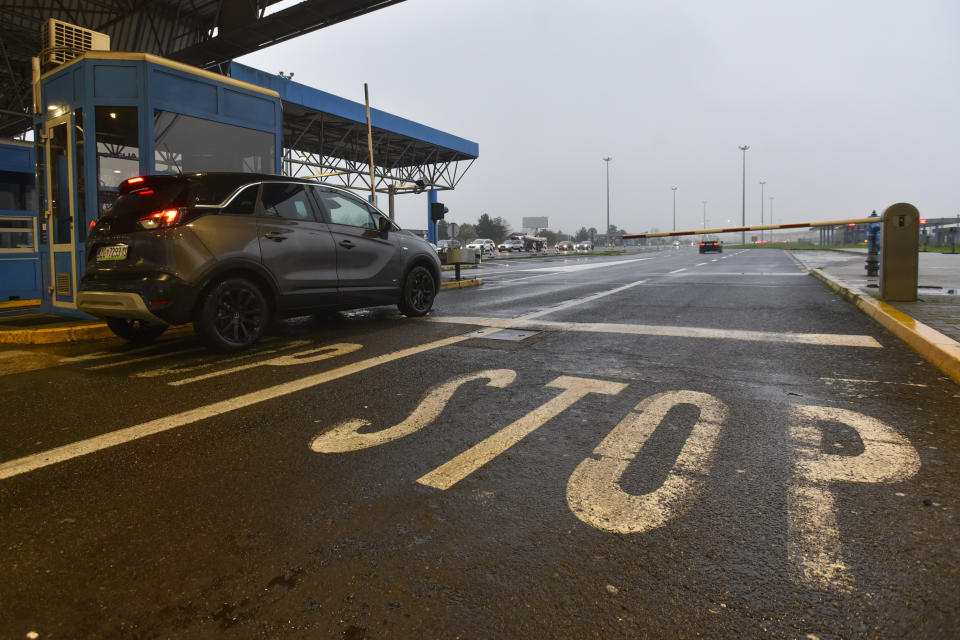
(899, 259)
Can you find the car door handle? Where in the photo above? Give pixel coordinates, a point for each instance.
(276, 236)
(346, 244)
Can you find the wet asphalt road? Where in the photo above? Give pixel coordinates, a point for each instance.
(654, 445)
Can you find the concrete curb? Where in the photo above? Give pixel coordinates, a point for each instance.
(460, 284)
(939, 350)
(55, 334)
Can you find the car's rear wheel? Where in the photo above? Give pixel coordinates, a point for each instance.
(419, 290)
(137, 331)
(232, 315)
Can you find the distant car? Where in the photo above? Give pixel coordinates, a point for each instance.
(443, 245)
(584, 245)
(511, 245)
(708, 245)
(564, 245)
(676, 243)
(486, 245)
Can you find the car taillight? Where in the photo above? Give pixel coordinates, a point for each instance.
(161, 219)
(136, 180)
(93, 223)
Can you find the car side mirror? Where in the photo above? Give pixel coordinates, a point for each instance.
(383, 225)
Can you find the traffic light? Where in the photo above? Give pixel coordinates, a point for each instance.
(437, 211)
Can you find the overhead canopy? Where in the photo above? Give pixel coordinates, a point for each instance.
(202, 33)
(326, 134)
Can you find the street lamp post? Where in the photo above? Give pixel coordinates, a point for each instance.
(743, 194)
(704, 215)
(674, 208)
(762, 182)
(606, 231)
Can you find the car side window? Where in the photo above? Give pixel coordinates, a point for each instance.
(286, 200)
(346, 210)
(244, 203)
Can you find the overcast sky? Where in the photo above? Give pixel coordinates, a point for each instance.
(848, 106)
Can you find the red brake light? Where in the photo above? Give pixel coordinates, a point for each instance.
(136, 180)
(93, 223)
(144, 192)
(161, 219)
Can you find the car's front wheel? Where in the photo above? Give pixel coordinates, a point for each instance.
(419, 290)
(232, 315)
(136, 331)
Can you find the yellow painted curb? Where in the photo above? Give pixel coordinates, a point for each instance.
(460, 284)
(453, 267)
(49, 336)
(16, 304)
(941, 351)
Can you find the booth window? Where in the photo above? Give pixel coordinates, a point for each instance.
(17, 192)
(16, 235)
(184, 144)
(118, 151)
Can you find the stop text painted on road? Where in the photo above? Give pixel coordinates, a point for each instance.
(594, 492)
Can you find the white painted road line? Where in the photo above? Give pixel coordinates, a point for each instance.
(588, 266)
(822, 339)
(676, 271)
(578, 301)
(114, 438)
(858, 381)
(301, 357)
(700, 264)
(198, 363)
(165, 354)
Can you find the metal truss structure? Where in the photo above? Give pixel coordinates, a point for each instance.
(203, 33)
(335, 150)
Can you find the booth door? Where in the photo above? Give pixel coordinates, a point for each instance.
(59, 212)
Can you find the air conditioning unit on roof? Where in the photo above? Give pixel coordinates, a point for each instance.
(63, 41)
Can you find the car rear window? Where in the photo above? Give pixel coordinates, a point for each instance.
(157, 193)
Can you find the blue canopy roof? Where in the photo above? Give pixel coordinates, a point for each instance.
(321, 122)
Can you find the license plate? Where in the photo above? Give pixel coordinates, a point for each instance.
(115, 252)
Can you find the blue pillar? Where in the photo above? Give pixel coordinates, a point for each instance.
(431, 225)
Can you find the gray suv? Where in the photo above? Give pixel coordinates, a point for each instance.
(232, 251)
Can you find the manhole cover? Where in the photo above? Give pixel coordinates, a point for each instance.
(515, 335)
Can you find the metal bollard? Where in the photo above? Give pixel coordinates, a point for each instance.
(873, 248)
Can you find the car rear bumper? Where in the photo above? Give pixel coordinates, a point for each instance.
(162, 299)
(116, 304)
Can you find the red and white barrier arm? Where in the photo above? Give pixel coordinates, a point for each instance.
(765, 227)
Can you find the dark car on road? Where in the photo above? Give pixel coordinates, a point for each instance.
(230, 252)
(708, 245)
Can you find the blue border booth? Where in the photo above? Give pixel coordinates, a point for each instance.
(106, 117)
(20, 276)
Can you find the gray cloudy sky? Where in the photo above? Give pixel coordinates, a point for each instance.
(847, 106)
